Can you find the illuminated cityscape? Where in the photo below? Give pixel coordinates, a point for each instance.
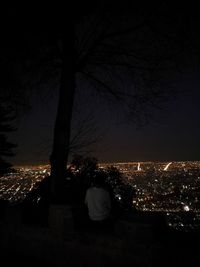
(168, 187)
(15, 186)
(171, 188)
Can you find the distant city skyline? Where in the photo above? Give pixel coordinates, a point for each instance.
(172, 189)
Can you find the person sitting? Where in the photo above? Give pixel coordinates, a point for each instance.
(98, 202)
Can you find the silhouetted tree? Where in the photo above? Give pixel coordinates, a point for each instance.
(84, 135)
(122, 52)
(121, 62)
(6, 147)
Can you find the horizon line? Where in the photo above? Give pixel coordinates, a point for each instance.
(109, 162)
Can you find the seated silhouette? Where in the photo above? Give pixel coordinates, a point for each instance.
(98, 202)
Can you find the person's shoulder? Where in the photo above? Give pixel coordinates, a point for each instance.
(90, 189)
(103, 190)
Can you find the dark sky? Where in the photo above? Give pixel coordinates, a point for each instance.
(171, 134)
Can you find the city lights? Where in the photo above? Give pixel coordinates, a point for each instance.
(171, 188)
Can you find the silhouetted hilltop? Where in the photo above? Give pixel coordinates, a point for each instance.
(142, 239)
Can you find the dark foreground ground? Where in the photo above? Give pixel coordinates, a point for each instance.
(142, 240)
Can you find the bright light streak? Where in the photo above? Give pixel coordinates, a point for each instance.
(167, 166)
(138, 168)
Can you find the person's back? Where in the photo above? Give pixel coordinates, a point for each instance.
(98, 202)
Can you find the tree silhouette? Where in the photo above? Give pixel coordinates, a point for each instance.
(124, 53)
(84, 135)
(6, 148)
(110, 57)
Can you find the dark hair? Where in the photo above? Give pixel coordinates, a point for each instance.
(98, 179)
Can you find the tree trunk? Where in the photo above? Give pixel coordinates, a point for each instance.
(59, 156)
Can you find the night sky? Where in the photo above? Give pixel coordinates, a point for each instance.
(170, 134)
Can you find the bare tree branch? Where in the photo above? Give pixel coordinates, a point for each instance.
(102, 84)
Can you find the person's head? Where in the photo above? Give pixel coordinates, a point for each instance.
(98, 179)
